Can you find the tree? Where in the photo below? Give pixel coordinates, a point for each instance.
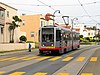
(23, 38)
(81, 36)
(12, 27)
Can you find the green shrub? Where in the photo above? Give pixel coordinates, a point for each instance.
(86, 40)
(23, 38)
(81, 36)
(29, 42)
(81, 39)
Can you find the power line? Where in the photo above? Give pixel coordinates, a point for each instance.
(55, 5)
(86, 11)
(46, 4)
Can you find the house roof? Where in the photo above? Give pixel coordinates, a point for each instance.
(8, 5)
(1, 8)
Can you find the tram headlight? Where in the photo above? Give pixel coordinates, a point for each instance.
(43, 45)
(52, 45)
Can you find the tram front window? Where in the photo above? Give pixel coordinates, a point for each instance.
(47, 38)
(48, 35)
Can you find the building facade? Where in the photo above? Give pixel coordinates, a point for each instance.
(6, 14)
(86, 30)
(30, 24)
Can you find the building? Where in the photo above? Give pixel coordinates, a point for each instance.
(87, 31)
(31, 24)
(2, 22)
(6, 14)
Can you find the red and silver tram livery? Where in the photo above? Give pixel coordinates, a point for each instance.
(57, 39)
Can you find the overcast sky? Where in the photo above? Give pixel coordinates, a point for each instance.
(70, 8)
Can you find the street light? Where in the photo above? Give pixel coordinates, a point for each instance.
(54, 15)
(72, 29)
(96, 31)
(73, 22)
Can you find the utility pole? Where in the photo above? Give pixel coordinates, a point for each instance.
(72, 20)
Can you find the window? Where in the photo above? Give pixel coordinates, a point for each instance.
(32, 34)
(1, 30)
(88, 34)
(23, 22)
(47, 35)
(2, 13)
(91, 33)
(7, 13)
(58, 35)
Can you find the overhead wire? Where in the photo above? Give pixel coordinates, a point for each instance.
(48, 6)
(86, 11)
(45, 4)
(82, 5)
(56, 5)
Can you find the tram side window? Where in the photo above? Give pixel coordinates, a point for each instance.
(58, 35)
(69, 36)
(39, 36)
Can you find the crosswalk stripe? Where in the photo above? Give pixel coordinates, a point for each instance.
(93, 59)
(80, 59)
(17, 73)
(19, 58)
(7, 58)
(87, 74)
(43, 58)
(2, 72)
(40, 73)
(55, 58)
(29, 58)
(63, 74)
(67, 59)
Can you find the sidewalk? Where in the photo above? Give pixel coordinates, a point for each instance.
(12, 52)
(93, 68)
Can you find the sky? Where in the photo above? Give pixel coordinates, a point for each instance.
(87, 11)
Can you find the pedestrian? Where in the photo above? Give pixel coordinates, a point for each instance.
(29, 47)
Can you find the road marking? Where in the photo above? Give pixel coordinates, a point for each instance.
(29, 58)
(19, 58)
(2, 72)
(63, 74)
(67, 59)
(93, 59)
(87, 74)
(80, 59)
(55, 58)
(7, 58)
(40, 73)
(17, 73)
(43, 58)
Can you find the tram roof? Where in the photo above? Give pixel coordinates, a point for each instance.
(59, 27)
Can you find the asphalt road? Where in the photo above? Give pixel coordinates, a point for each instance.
(25, 63)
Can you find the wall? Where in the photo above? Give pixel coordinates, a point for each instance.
(16, 46)
(32, 24)
(12, 12)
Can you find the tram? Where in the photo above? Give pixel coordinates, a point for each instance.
(57, 40)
